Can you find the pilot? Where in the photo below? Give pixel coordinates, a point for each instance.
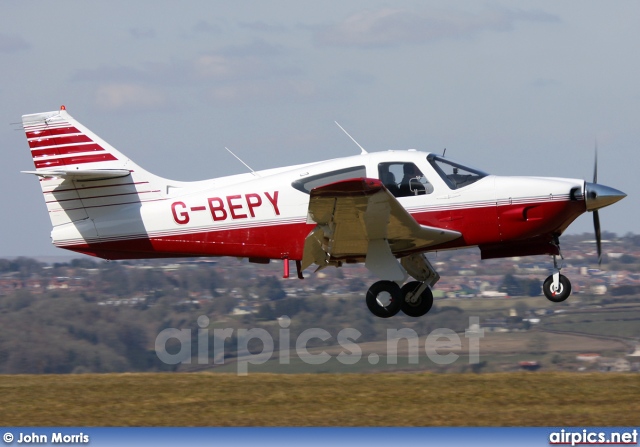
(389, 181)
(407, 187)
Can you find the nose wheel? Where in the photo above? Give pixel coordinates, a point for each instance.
(557, 288)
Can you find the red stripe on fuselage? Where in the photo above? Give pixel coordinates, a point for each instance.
(479, 227)
(270, 242)
(497, 224)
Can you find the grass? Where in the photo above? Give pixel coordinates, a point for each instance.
(491, 304)
(502, 352)
(624, 329)
(384, 399)
(616, 324)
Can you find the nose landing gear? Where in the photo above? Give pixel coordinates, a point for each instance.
(557, 287)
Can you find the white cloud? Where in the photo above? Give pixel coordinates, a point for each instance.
(12, 44)
(215, 65)
(263, 27)
(142, 33)
(118, 74)
(258, 60)
(389, 27)
(253, 71)
(278, 91)
(204, 27)
(545, 83)
(128, 96)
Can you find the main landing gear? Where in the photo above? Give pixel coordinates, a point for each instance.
(386, 298)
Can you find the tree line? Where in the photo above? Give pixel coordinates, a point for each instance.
(61, 331)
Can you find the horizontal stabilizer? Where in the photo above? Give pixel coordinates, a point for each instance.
(86, 174)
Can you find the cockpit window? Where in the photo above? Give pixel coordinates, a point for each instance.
(306, 184)
(455, 175)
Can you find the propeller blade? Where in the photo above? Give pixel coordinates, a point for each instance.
(595, 166)
(596, 226)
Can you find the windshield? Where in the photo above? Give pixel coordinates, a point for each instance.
(455, 175)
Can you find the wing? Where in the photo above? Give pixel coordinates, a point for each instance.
(360, 219)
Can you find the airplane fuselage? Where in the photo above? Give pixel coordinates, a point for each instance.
(262, 216)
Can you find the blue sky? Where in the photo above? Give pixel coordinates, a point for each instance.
(513, 88)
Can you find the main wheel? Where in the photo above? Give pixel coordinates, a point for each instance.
(559, 295)
(383, 299)
(415, 306)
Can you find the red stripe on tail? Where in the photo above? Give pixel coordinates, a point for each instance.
(81, 159)
(65, 150)
(50, 132)
(53, 141)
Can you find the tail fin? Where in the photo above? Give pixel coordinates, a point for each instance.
(81, 175)
(59, 143)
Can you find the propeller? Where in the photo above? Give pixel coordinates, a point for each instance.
(598, 196)
(596, 216)
(596, 227)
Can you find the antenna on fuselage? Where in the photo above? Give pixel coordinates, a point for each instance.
(240, 160)
(444, 152)
(363, 152)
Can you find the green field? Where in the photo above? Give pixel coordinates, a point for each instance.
(605, 323)
(623, 329)
(381, 399)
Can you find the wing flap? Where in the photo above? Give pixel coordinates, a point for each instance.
(352, 213)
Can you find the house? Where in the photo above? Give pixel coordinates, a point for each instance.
(530, 365)
(588, 357)
(607, 364)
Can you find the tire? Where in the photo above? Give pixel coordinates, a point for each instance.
(418, 307)
(557, 296)
(383, 299)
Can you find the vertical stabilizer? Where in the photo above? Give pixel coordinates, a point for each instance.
(82, 176)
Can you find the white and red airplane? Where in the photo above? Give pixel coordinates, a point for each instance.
(385, 209)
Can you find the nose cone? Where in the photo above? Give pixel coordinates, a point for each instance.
(598, 196)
